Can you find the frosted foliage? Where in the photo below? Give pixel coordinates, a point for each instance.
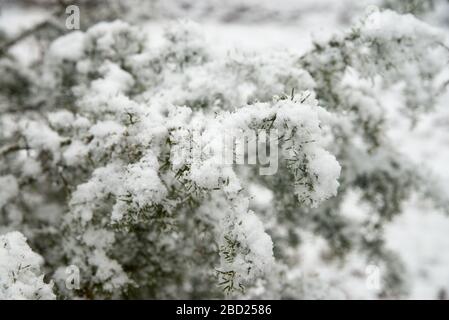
(117, 163)
(69, 47)
(9, 189)
(20, 275)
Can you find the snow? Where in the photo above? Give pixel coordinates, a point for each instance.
(115, 81)
(110, 40)
(75, 153)
(141, 186)
(260, 195)
(40, 137)
(20, 276)
(420, 235)
(398, 26)
(103, 183)
(104, 129)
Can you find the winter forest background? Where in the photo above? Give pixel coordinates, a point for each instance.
(103, 194)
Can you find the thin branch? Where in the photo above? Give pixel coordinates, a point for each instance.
(49, 22)
(10, 148)
(443, 45)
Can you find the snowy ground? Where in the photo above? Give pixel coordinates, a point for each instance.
(421, 234)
